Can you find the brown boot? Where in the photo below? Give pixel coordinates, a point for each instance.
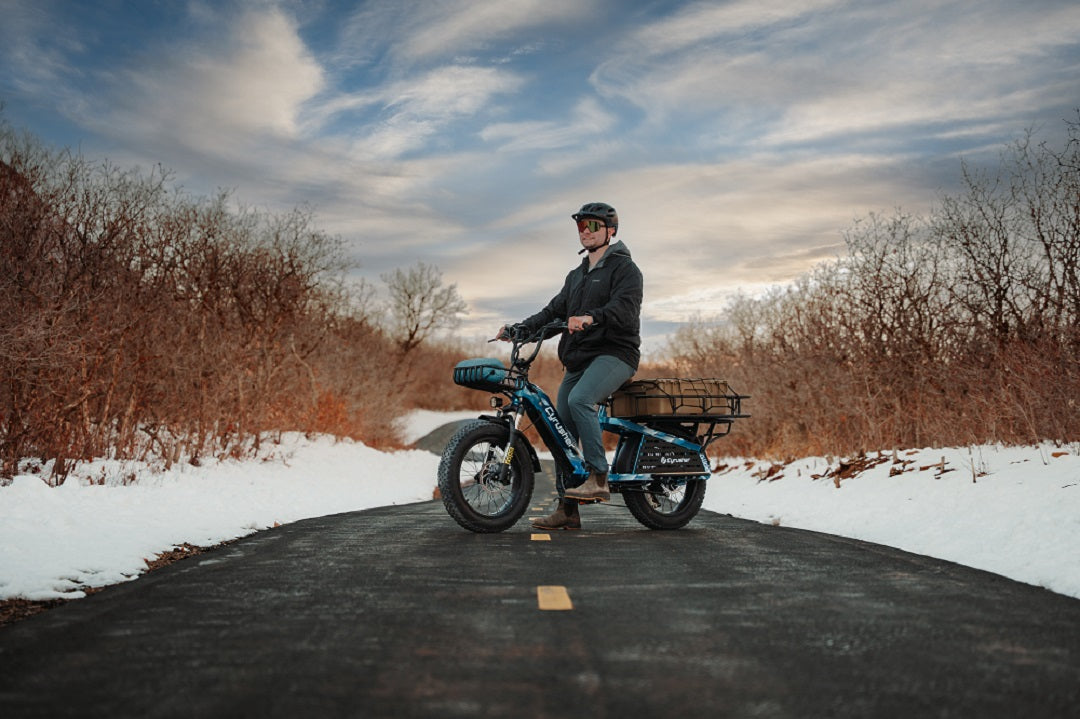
(595, 489)
(565, 516)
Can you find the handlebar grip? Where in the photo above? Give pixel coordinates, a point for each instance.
(520, 334)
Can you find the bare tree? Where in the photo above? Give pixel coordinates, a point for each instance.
(420, 305)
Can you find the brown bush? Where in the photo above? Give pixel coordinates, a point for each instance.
(136, 321)
(955, 329)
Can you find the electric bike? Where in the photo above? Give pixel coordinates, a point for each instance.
(660, 467)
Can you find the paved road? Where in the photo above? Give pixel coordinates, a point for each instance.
(398, 612)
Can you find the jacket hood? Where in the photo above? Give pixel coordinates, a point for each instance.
(616, 248)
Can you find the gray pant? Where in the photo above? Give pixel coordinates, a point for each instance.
(579, 395)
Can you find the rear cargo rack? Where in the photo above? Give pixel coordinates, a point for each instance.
(704, 408)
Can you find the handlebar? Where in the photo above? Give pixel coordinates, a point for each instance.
(519, 337)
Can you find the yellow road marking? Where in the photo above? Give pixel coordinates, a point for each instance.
(553, 599)
(541, 537)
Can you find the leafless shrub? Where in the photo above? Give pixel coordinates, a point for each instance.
(954, 329)
(137, 321)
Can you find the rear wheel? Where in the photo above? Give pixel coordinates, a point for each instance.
(665, 503)
(469, 480)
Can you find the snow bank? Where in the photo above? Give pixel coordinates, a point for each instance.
(1012, 511)
(56, 541)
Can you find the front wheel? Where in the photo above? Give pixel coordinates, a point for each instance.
(469, 482)
(665, 504)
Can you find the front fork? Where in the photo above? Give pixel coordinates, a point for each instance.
(511, 443)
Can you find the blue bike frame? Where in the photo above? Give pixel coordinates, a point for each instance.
(529, 399)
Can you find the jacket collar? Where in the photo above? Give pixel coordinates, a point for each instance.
(616, 248)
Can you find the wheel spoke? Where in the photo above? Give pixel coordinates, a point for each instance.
(667, 499)
(478, 478)
(469, 479)
(666, 504)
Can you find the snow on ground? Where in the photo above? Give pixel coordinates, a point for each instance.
(1013, 511)
(422, 421)
(56, 541)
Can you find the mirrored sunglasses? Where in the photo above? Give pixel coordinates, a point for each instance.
(590, 225)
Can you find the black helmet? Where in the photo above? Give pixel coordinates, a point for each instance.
(600, 211)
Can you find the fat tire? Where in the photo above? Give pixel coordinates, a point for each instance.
(641, 505)
(518, 494)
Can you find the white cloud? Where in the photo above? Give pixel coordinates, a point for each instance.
(470, 24)
(597, 152)
(809, 71)
(900, 109)
(587, 120)
(255, 81)
(39, 63)
(442, 93)
(707, 56)
(704, 21)
(1001, 34)
(266, 78)
(451, 91)
(413, 31)
(924, 71)
(413, 110)
(227, 102)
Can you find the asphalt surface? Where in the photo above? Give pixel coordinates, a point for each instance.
(399, 612)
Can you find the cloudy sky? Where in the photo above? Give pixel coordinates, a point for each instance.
(737, 139)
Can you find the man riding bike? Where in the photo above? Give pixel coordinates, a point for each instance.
(601, 303)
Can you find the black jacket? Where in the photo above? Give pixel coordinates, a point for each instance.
(611, 295)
